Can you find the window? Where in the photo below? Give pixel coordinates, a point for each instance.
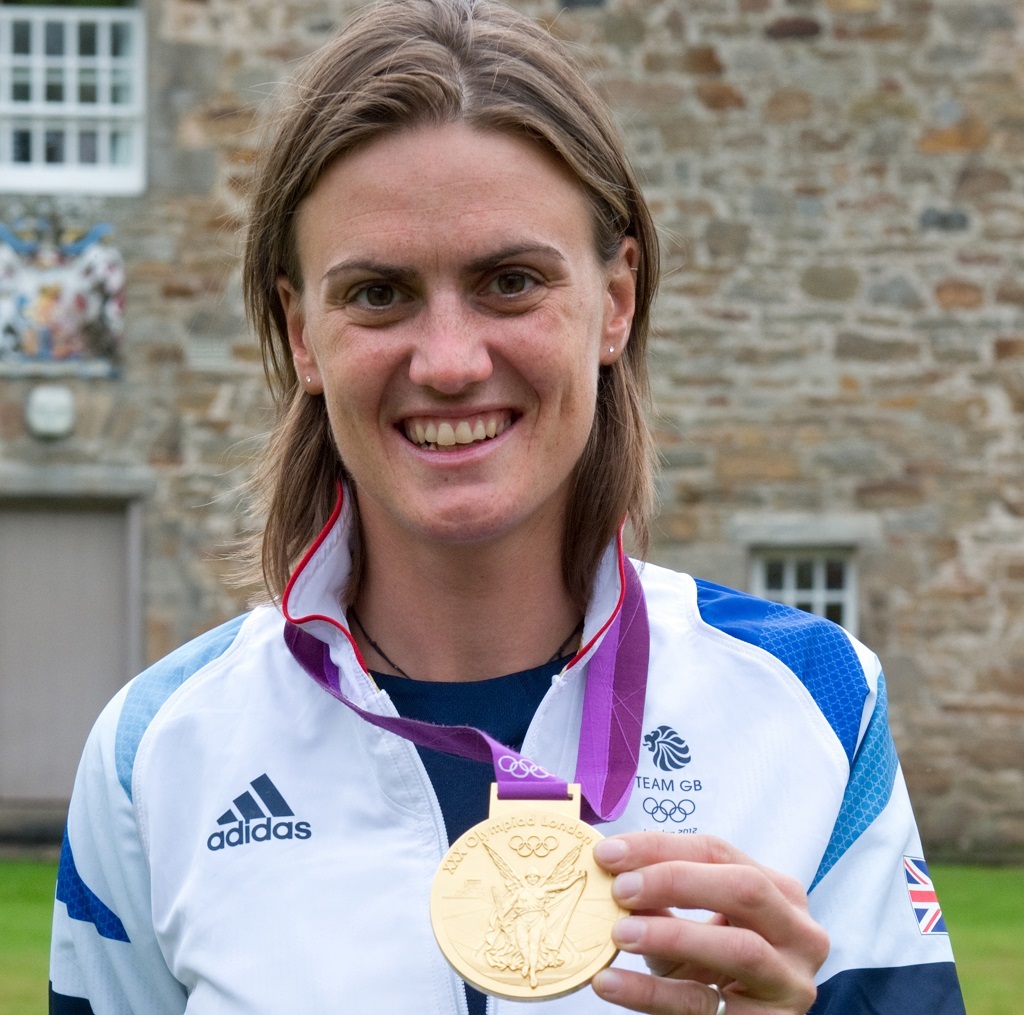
(821, 581)
(72, 100)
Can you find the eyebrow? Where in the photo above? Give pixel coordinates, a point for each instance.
(390, 272)
(403, 275)
(514, 250)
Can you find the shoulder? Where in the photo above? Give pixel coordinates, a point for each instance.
(132, 713)
(838, 672)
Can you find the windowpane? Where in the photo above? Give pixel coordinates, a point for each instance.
(818, 581)
(21, 38)
(86, 38)
(88, 147)
(21, 85)
(54, 84)
(21, 145)
(120, 147)
(120, 39)
(120, 88)
(88, 91)
(73, 80)
(53, 35)
(54, 145)
(834, 612)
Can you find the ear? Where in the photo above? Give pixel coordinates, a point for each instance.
(302, 353)
(620, 301)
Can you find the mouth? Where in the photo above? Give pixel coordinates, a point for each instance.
(432, 433)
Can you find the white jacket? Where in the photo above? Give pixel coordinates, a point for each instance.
(185, 884)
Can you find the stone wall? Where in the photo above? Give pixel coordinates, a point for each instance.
(840, 192)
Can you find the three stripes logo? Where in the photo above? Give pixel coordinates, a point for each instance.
(257, 816)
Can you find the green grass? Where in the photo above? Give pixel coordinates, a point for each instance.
(984, 908)
(26, 908)
(984, 911)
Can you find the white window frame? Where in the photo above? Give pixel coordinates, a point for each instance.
(69, 115)
(818, 597)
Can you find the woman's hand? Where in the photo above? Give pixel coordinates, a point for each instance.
(760, 946)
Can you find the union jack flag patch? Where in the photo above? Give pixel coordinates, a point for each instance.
(923, 897)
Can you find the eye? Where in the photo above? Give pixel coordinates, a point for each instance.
(513, 283)
(376, 295)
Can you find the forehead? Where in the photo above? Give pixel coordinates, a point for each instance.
(449, 186)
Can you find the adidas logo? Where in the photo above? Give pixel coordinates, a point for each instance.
(252, 823)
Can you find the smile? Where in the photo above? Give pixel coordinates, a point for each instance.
(434, 434)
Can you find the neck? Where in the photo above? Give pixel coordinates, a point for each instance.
(462, 613)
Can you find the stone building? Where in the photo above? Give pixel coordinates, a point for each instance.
(838, 364)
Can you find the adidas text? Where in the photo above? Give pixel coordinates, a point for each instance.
(259, 831)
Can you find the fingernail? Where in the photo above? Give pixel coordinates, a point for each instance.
(628, 931)
(610, 850)
(608, 983)
(627, 885)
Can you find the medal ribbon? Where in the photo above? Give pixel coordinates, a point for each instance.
(613, 707)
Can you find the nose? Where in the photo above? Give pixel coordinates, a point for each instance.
(450, 351)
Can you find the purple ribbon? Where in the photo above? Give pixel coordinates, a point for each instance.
(613, 708)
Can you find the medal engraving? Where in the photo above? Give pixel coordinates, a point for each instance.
(519, 906)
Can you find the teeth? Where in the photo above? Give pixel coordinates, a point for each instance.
(447, 435)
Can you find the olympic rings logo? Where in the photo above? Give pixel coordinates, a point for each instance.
(520, 768)
(533, 846)
(676, 811)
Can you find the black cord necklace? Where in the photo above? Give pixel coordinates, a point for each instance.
(559, 652)
(376, 648)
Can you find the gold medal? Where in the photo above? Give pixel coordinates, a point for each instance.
(520, 907)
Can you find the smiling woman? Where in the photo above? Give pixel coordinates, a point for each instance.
(438, 76)
(451, 285)
(450, 267)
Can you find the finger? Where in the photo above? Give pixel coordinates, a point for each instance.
(745, 895)
(713, 952)
(657, 996)
(641, 849)
(685, 970)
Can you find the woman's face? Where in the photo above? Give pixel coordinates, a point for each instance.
(454, 315)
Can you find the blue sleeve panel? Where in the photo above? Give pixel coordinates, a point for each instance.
(154, 686)
(61, 1004)
(82, 902)
(816, 650)
(870, 786)
(930, 989)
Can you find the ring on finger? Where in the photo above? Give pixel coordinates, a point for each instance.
(720, 1010)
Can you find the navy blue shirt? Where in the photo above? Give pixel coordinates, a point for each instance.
(503, 707)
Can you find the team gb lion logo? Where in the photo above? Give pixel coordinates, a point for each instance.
(668, 747)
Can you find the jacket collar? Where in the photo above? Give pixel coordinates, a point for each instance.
(313, 597)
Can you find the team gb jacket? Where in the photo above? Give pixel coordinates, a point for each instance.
(240, 842)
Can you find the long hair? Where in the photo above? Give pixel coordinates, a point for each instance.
(409, 63)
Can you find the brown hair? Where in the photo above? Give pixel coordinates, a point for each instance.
(407, 63)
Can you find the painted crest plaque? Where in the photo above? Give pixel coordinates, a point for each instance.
(61, 295)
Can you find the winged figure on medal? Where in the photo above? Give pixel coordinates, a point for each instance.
(528, 924)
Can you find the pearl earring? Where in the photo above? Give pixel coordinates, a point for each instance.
(611, 348)
(309, 380)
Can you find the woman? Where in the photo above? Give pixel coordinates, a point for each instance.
(451, 267)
